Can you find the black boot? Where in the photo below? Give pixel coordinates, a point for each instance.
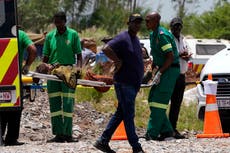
(57, 138)
(103, 147)
(177, 135)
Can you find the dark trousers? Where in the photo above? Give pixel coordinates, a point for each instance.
(176, 100)
(11, 121)
(126, 95)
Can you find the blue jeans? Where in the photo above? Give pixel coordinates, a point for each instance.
(126, 95)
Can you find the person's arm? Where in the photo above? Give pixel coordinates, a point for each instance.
(32, 53)
(169, 60)
(79, 61)
(112, 55)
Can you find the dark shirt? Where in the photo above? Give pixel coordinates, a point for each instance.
(128, 49)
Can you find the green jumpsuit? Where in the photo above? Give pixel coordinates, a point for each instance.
(61, 49)
(161, 42)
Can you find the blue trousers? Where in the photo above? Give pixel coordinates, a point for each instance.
(126, 95)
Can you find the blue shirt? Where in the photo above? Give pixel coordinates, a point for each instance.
(128, 49)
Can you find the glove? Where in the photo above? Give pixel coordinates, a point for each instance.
(25, 69)
(157, 77)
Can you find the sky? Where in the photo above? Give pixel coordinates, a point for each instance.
(168, 12)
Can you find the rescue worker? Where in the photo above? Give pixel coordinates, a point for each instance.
(11, 119)
(61, 45)
(165, 56)
(128, 76)
(176, 26)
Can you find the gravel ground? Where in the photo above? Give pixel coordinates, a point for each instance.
(88, 125)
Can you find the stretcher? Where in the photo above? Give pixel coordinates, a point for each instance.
(55, 78)
(79, 81)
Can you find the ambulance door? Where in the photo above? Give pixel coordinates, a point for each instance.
(10, 89)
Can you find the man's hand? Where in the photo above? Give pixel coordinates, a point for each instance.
(25, 69)
(157, 78)
(117, 65)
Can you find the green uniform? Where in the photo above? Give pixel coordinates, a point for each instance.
(23, 42)
(162, 42)
(61, 49)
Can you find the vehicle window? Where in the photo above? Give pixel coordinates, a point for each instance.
(7, 18)
(203, 49)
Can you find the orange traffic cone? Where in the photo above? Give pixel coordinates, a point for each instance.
(212, 123)
(120, 133)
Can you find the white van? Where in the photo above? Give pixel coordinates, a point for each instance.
(218, 66)
(202, 50)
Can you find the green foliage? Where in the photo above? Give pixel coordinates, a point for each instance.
(111, 19)
(96, 33)
(106, 102)
(36, 15)
(188, 120)
(212, 24)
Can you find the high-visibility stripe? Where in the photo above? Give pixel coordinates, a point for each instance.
(54, 94)
(158, 105)
(211, 107)
(6, 104)
(9, 73)
(10, 61)
(68, 114)
(4, 43)
(200, 67)
(165, 47)
(58, 113)
(69, 95)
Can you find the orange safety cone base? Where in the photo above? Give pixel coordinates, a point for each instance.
(217, 135)
(120, 133)
(212, 123)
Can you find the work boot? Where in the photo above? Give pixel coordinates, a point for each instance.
(138, 150)
(57, 138)
(148, 137)
(166, 136)
(70, 139)
(103, 147)
(177, 135)
(13, 143)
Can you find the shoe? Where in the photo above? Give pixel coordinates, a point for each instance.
(166, 136)
(177, 135)
(148, 137)
(103, 147)
(13, 143)
(57, 138)
(138, 150)
(70, 139)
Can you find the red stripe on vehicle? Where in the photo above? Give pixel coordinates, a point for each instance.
(12, 72)
(17, 102)
(3, 45)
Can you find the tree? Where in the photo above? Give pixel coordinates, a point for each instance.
(180, 5)
(212, 24)
(36, 15)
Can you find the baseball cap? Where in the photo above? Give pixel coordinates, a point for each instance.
(134, 17)
(176, 20)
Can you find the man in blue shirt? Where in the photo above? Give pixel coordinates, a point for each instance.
(125, 51)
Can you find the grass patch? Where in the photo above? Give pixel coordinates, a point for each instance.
(105, 103)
